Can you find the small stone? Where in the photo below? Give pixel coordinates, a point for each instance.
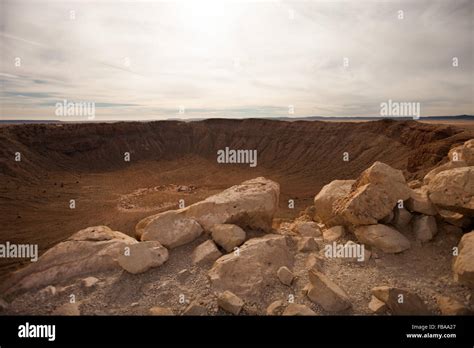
(161, 311)
(306, 228)
(377, 306)
(326, 293)
(307, 244)
(276, 307)
(143, 256)
(333, 234)
(424, 227)
(230, 302)
(89, 282)
(228, 236)
(48, 292)
(134, 304)
(400, 301)
(285, 275)
(314, 261)
(205, 253)
(298, 310)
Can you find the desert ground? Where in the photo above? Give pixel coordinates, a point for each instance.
(170, 161)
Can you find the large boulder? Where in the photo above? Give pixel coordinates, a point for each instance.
(463, 265)
(143, 256)
(170, 228)
(464, 152)
(446, 166)
(373, 195)
(382, 237)
(324, 200)
(254, 267)
(251, 204)
(87, 252)
(454, 190)
(400, 301)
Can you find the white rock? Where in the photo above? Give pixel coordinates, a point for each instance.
(253, 268)
(143, 256)
(382, 237)
(420, 202)
(326, 293)
(463, 265)
(206, 252)
(454, 190)
(285, 275)
(324, 200)
(230, 302)
(89, 251)
(228, 236)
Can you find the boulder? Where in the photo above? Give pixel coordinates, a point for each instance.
(334, 233)
(400, 301)
(306, 228)
(326, 293)
(324, 200)
(276, 307)
(424, 227)
(463, 265)
(454, 190)
(449, 306)
(206, 252)
(401, 219)
(420, 202)
(251, 204)
(285, 275)
(143, 256)
(446, 166)
(464, 152)
(87, 252)
(373, 196)
(253, 268)
(230, 302)
(382, 237)
(454, 218)
(307, 244)
(160, 311)
(295, 309)
(170, 228)
(228, 236)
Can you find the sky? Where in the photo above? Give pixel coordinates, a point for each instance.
(142, 60)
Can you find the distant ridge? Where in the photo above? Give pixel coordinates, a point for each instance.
(280, 118)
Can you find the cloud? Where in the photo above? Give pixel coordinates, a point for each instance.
(143, 60)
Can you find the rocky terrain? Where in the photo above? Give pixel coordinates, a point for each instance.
(384, 241)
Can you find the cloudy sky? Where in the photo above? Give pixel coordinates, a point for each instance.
(217, 58)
